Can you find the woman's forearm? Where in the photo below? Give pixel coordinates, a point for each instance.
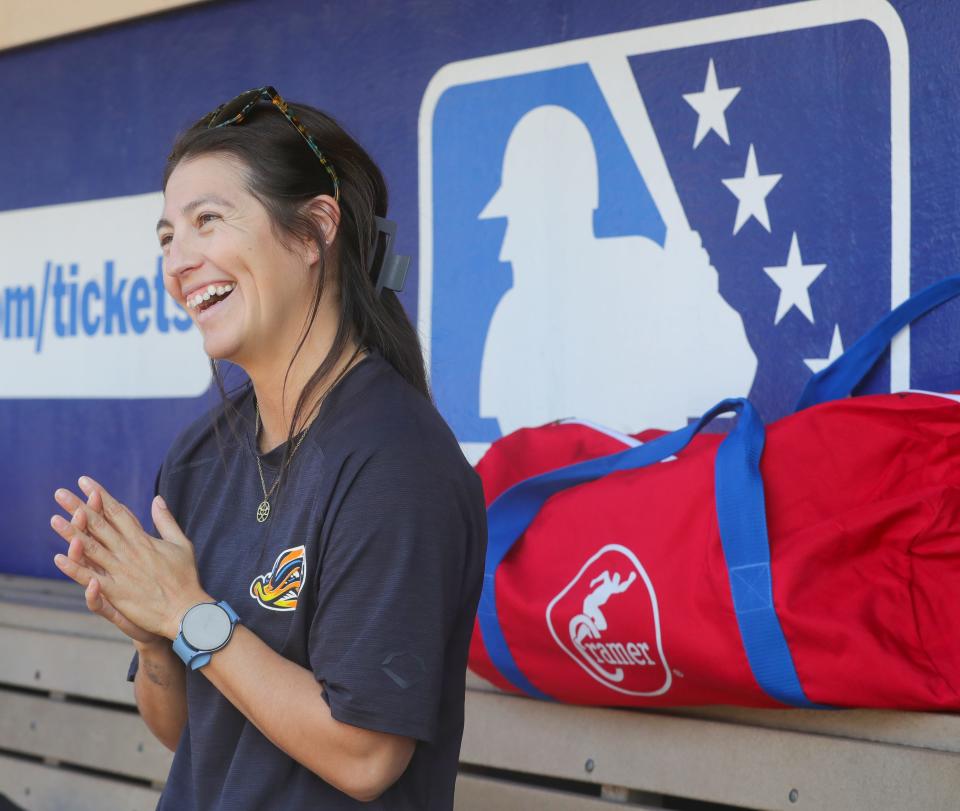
(160, 689)
(285, 702)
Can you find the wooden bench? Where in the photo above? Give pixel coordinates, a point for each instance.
(70, 738)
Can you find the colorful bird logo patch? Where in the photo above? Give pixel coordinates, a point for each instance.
(279, 589)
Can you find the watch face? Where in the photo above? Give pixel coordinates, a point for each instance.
(206, 627)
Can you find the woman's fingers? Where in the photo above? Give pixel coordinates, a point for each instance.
(93, 518)
(86, 518)
(75, 549)
(114, 511)
(67, 499)
(75, 553)
(70, 501)
(101, 606)
(95, 501)
(96, 525)
(94, 597)
(95, 552)
(73, 570)
(101, 516)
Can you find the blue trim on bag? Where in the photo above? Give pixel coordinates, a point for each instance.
(742, 519)
(743, 531)
(841, 377)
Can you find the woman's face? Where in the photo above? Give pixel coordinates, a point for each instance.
(217, 239)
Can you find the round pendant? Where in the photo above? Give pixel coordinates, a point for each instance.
(263, 511)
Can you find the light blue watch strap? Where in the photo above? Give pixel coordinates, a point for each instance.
(194, 658)
(182, 649)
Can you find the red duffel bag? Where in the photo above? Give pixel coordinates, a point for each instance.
(813, 563)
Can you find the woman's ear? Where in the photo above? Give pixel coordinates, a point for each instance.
(325, 212)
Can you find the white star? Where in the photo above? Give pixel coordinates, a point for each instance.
(794, 280)
(711, 104)
(836, 350)
(751, 192)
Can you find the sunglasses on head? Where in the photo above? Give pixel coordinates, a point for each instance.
(386, 268)
(238, 110)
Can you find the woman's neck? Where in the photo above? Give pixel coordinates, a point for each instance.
(277, 402)
(277, 407)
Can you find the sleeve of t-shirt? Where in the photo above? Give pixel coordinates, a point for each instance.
(135, 662)
(388, 594)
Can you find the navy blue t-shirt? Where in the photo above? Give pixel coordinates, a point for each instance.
(367, 572)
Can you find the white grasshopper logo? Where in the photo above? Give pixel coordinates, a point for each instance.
(612, 622)
(591, 624)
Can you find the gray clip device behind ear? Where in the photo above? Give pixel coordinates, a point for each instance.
(393, 268)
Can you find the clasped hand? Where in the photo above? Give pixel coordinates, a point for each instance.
(142, 584)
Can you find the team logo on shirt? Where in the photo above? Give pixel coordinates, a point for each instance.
(279, 589)
(607, 620)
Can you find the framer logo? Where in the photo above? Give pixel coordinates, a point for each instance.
(608, 622)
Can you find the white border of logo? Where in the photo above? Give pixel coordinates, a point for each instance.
(606, 56)
(615, 547)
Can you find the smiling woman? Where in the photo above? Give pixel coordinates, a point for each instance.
(214, 241)
(321, 535)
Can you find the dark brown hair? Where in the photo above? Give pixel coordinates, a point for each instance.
(284, 175)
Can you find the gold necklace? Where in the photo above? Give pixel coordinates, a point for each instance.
(263, 509)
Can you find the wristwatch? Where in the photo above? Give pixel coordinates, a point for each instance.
(204, 629)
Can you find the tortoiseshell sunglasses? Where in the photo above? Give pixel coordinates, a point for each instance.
(237, 111)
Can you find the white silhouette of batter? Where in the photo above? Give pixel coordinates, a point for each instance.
(617, 330)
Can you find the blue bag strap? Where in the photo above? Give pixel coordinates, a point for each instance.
(743, 531)
(841, 377)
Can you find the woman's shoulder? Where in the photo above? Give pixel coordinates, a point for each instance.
(380, 414)
(388, 449)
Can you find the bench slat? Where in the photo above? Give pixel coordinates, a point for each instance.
(38, 585)
(50, 618)
(475, 793)
(100, 738)
(702, 759)
(930, 730)
(43, 788)
(92, 668)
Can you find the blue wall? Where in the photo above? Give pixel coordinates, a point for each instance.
(92, 116)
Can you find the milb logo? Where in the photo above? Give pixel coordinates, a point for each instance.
(632, 227)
